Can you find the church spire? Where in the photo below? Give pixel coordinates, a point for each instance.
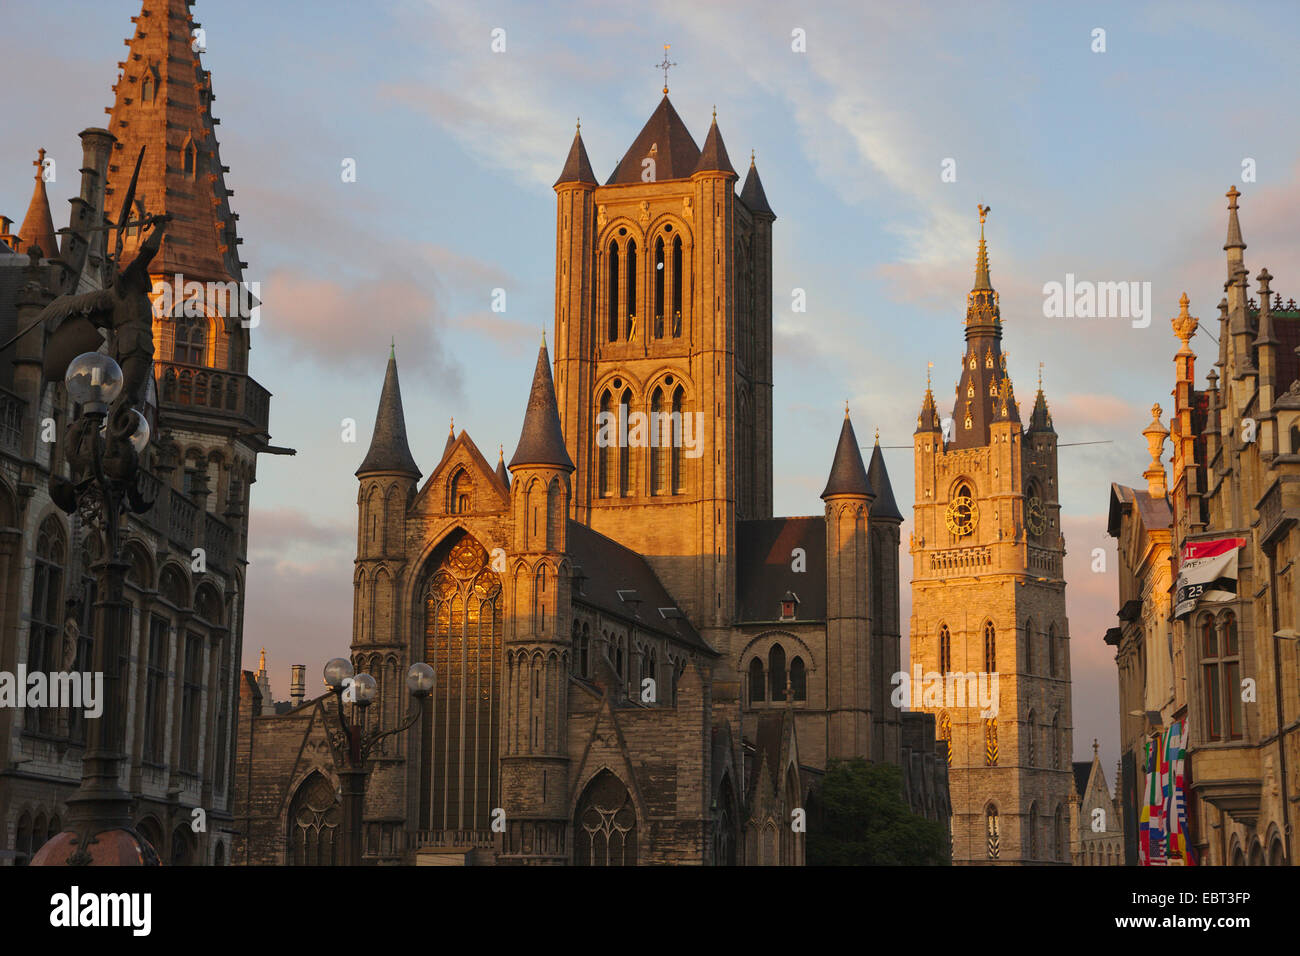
(163, 99)
(752, 195)
(541, 441)
(878, 475)
(38, 226)
(848, 476)
(389, 451)
(577, 167)
(713, 158)
(928, 420)
(982, 283)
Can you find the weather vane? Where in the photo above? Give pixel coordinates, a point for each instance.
(664, 66)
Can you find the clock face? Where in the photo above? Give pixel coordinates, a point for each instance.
(1035, 516)
(962, 515)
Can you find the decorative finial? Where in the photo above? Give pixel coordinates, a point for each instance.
(751, 157)
(1040, 376)
(39, 162)
(665, 65)
(984, 211)
(579, 124)
(452, 428)
(501, 453)
(846, 408)
(877, 434)
(715, 112)
(928, 367)
(392, 348)
(1184, 323)
(1232, 195)
(1094, 746)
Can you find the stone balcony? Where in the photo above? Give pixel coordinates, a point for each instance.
(213, 392)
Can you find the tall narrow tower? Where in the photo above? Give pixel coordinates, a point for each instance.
(663, 314)
(988, 602)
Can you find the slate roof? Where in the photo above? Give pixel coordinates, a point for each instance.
(389, 450)
(713, 157)
(608, 567)
(1154, 512)
(577, 168)
(765, 570)
(884, 506)
(1082, 771)
(675, 152)
(752, 195)
(541, 442)
(848, 476)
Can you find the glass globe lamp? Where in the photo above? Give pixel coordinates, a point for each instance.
(93, 380)
(419, 679)
(336, 671)
(367, 689)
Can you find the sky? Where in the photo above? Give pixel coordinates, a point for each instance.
(1105, 164)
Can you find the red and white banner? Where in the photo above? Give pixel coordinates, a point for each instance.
(1208, 573)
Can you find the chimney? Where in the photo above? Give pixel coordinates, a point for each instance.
(298, 684)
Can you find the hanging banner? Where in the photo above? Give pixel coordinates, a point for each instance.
(1208, 573)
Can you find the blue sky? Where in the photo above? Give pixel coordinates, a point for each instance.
(1111, 166)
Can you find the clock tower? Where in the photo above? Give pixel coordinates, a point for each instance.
(988, 603)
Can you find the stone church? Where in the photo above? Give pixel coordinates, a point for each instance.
(988, 598)
(636, 662)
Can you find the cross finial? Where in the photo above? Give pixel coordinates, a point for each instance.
(392, 348)
(1040, 376)
(751, 157)
(665, 65)
(877, 435)
(1094, 746)
(39, 162)
(1232, 195)
(846, 408)
(451, 429)
(928, 367)
(579, 124)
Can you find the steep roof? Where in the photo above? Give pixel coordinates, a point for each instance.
(389, 450)
(848, 476)
(765, 569)
(607, 568)
(38, 225)
(713, 157)
(752, 195)
(182, 174)
(884, 506)
(502, 475)
(577, 168)
(665, 138)
(1082, 772)
(541, 442)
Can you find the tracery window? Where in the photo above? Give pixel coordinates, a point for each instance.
(990, 648)
(945, 650)
(991, 829)
(44, 642)
(191, 340)
(461, 723)
(314, 819)
(605, 825)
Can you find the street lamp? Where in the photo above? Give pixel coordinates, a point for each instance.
(104, 447)
(356, 744)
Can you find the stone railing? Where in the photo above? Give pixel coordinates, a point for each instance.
(215, 391)
(1043, 561)
(1279, 508)
(961, 559)
(176, 517)
(447, 839)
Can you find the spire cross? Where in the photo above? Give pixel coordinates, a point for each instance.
(1040, 376)
(39, 162)
(665, 65)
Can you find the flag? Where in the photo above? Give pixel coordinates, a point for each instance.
(1176, 812)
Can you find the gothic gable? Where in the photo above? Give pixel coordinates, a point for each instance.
(475, 483)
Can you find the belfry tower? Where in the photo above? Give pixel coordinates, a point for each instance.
(988, 601)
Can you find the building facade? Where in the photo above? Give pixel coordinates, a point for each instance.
(1223, 658)
(186, 581)
(1096, 827)
(988, 601)
(636, 661)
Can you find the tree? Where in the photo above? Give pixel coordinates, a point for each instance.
(863, 820)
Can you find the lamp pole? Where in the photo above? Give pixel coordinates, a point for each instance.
(356, 744)
(104, 455)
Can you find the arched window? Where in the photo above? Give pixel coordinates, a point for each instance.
(1032, 757)
(584, 651)
(44, 642)
(23, 840)
(1033, 831)
(606, 449)
(776, 671)
(625, 451)
(314, 819)
(604, 825)
(1295, 439)
(991, 829)
(191, 340)
(677, 287)
(678, 469)
(1058, 834)
(990, 648)
(798, 680)
(461, 488)
(1029, 647)
(661, 439)
(757, 683)
(613, 292)
(660, 279)
(945, 650)
(461, 723)
(1051, 650)
(629, 304)
(1056, 742)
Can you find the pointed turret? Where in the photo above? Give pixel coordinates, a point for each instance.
(848, 475)
(163, 99)
(667, 141)
(884, 506)
(928, 420)
(389, 451)
(752, 195)
(713, 157)
(979, 390)
(541, 442)
(502, 474)
(1040, 419)
(577, 168)
(38, 225)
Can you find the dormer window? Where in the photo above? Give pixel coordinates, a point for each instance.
(789, 606)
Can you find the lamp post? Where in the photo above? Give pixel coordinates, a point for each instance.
(104, 454)
(356, 743)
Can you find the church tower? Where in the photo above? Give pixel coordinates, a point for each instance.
(988, 603)
(663, 364)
